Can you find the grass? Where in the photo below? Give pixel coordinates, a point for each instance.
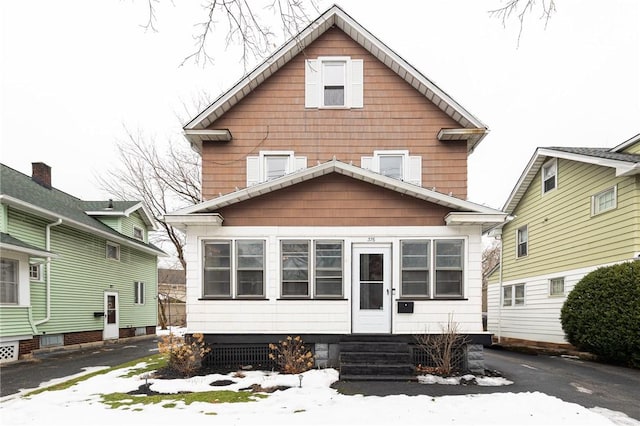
(152, 363)
(120, 400)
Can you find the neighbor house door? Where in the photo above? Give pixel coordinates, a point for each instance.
(110, 316)
(371, 289)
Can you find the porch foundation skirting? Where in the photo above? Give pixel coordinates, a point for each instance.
(242, 350)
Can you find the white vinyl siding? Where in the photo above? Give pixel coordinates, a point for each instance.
(334, 82)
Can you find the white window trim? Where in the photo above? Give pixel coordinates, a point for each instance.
(141, 233)
(40, 277)
(594, 198)
(117, 246)
(564, 287)
(553, 162)
(257, 170)
(353, 88)
(18, 285)
(518, 241)
(513, 295)
(411, 165)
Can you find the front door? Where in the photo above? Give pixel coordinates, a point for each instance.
(110, 316)
(371, 284)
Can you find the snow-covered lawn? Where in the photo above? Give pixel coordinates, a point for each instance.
(313, 403)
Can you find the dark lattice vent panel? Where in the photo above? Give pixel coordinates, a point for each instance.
(421, 357)
(9, 351)
(238, 355)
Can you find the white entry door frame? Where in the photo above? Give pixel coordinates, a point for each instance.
(111, 314)
(371, 289)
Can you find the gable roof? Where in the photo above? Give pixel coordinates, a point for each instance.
(466, 212)
(21, 192)
(472, 129)
(625, 164)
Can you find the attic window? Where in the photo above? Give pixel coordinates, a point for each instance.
(138, 233)
(113, 251)
(334, 82)
(549, 176)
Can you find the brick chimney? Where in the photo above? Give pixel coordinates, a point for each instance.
(41, 174)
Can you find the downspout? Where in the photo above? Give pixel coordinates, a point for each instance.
(48, 281)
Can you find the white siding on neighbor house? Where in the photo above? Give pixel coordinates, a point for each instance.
(321, 315)
(539, 318)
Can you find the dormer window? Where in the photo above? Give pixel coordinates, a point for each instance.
(138, 233)
(334, 82)
(270, 165)
(549, 176)
(397, 164)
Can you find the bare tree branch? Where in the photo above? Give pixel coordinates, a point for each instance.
(163, 182)
(521, 8)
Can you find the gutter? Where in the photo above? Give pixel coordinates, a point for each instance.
(48, 281)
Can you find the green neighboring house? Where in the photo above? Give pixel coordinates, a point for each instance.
(72, 271)
(573, 210)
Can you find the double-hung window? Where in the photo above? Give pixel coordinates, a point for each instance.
(8, 281)
(449, 268)
(522, 241)
(604, 201)
(425, 261)
(270, 165)
(250, 269)
(513, 295)
(233, 268)
(311, 263)
(549, 175)
(397, 164)
(334, 82)
(138, 293)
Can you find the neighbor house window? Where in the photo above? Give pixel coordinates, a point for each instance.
(217, 269)
(449, 268)
(113, 251)
(397, 164)
(138, 293)
(513, 295)
(556, 287)
(522, 241)
(8, 281)
(138, 233)
(334, 82)
(549, 175)
(415, 268)
(250, 268)
(35, 272)
(604, 201)
(295, 268)
(328, 268)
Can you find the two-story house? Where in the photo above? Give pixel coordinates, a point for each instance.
(73, 271)
(574, 210)
(335, 180)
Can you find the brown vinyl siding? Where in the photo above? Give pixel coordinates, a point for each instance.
(395, 116)
(334, 200)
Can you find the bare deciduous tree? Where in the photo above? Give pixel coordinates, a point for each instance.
(245, 24)
(521, 8)
(163, 181)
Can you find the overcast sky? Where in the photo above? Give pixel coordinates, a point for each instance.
(76, 73)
